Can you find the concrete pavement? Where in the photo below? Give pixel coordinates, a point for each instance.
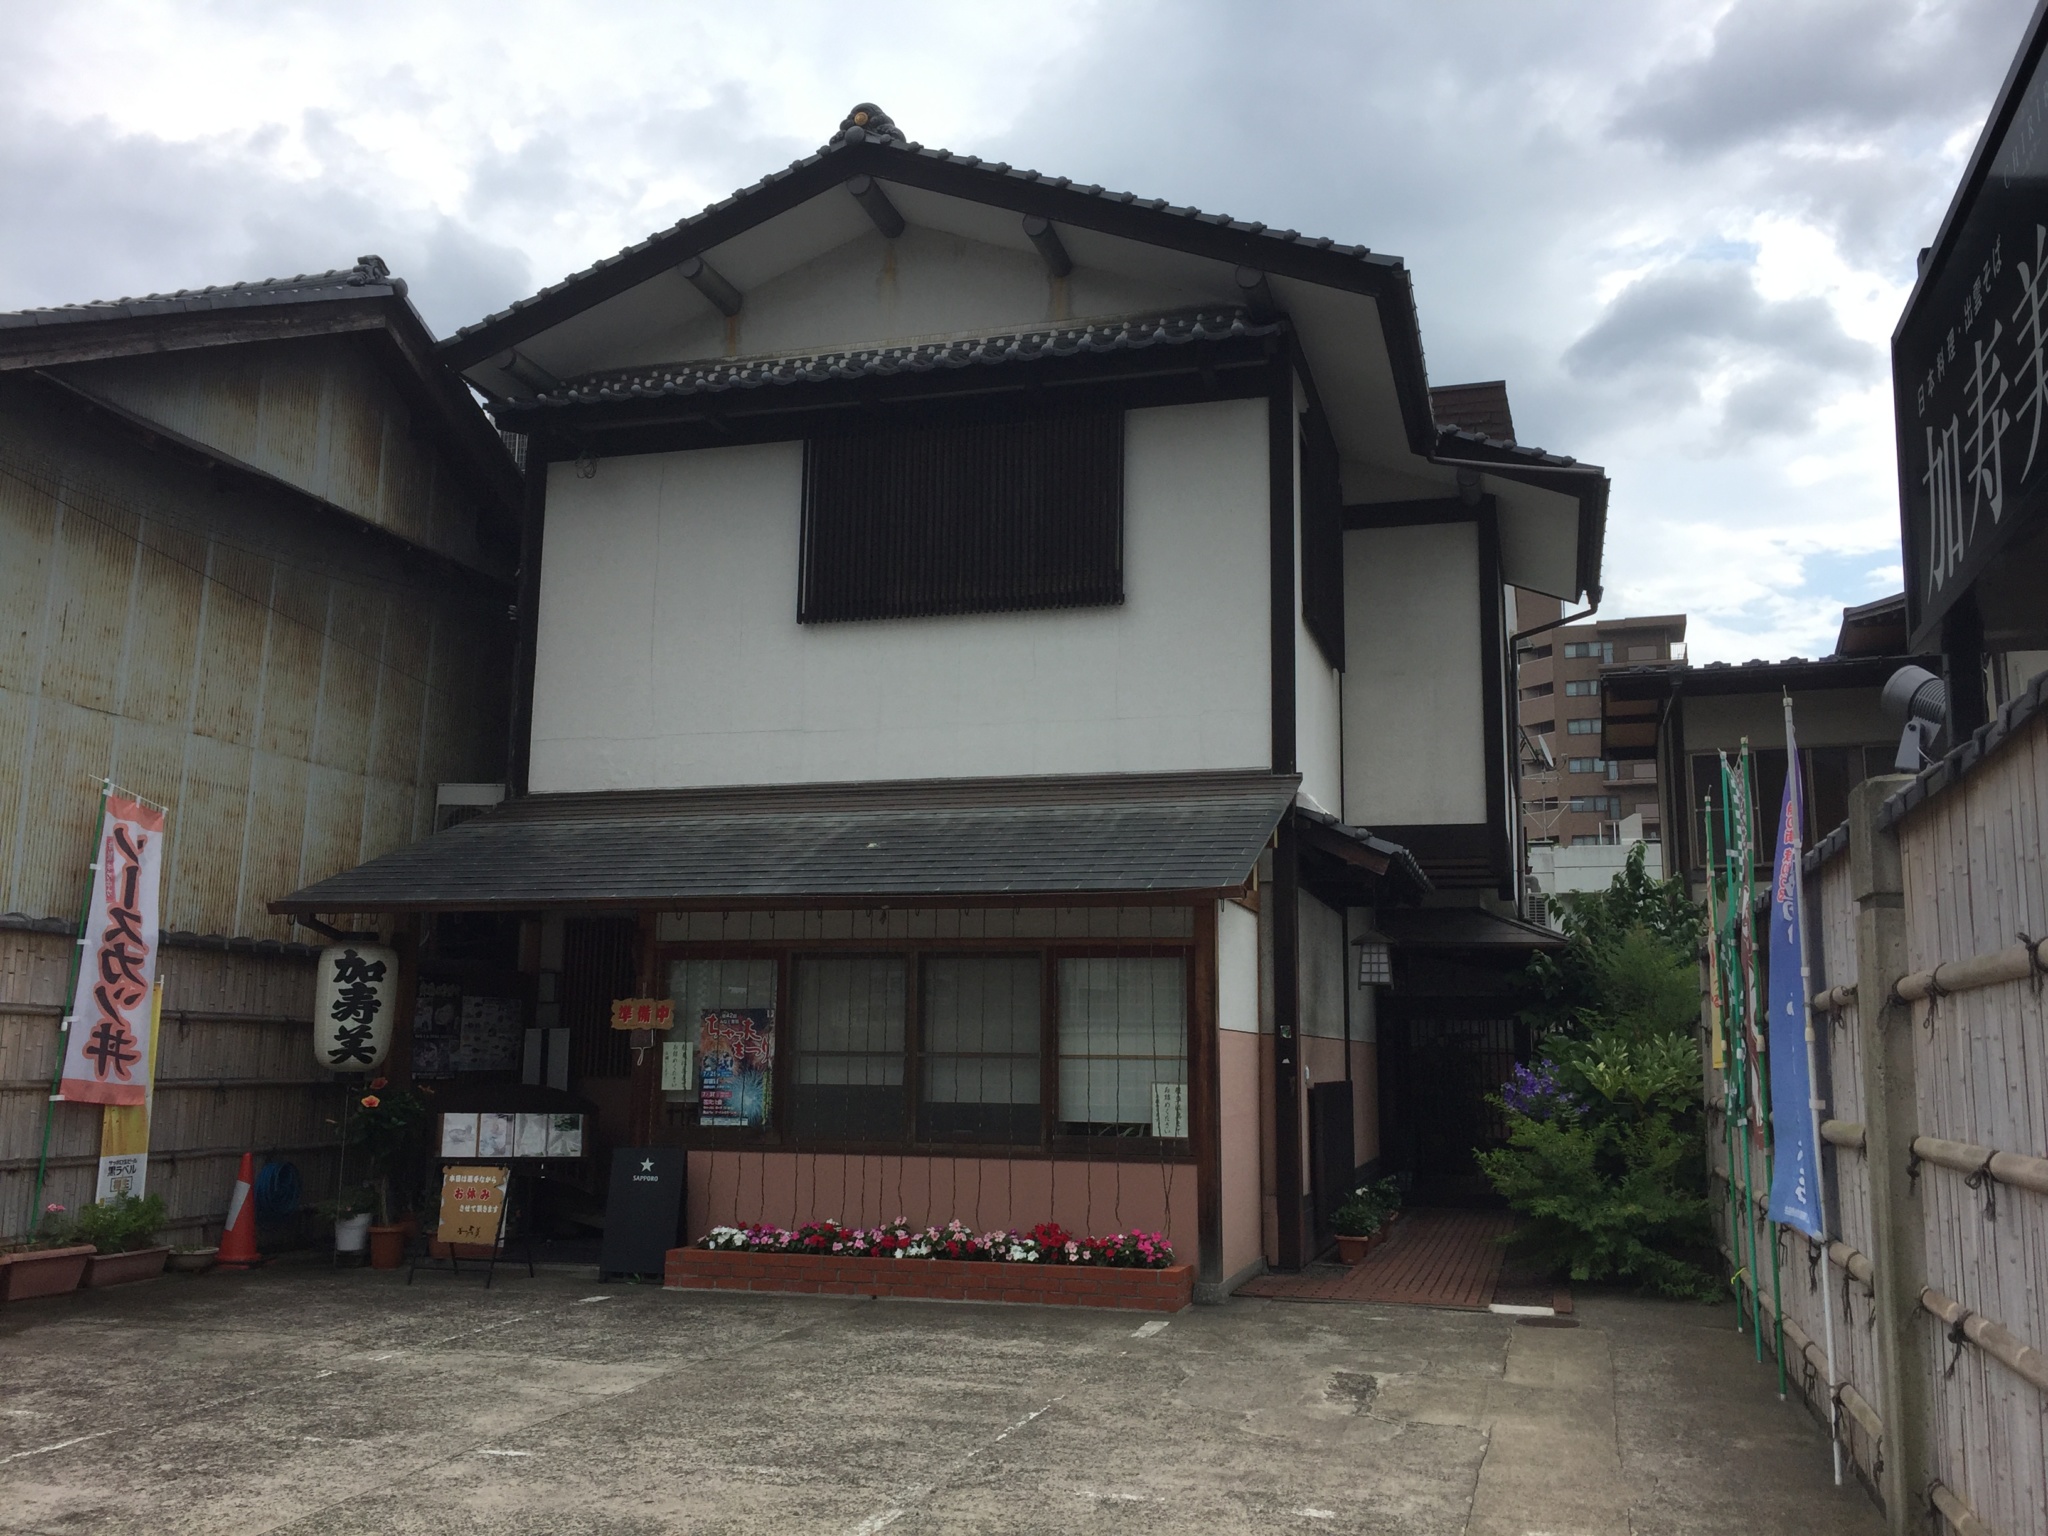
(298, 1400)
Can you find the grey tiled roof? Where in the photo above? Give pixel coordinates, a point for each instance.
(851, 136)
(715, 376)
(986, 838)
(1451, 440)
(368, 278)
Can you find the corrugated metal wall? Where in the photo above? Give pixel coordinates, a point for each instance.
(317, 413)
(292, 692)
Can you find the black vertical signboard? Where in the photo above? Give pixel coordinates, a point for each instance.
(1970, 372)
(643, 1217)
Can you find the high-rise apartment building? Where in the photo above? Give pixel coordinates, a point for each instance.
(1576, 799)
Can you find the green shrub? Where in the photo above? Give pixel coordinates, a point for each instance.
(1606, 1153)
(122, 1224)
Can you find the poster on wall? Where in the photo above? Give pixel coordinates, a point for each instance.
(494, 1133)
(106, 1045)
(436, 1028)
(736, 1066)
(565, 1136)
(492, 1035)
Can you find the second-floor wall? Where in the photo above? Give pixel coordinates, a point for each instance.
(669, 651)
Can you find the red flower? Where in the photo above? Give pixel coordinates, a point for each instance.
(371, 1101)
(380, 1082)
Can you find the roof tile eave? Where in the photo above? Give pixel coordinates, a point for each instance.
(995, 170)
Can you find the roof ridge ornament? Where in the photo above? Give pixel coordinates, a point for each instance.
(868, 121)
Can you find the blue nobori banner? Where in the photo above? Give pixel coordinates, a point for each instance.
(1795, 1165)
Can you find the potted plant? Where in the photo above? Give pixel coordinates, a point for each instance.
(50, 1263)
(351, 1212)
(391, 1127)
(1364, 1217)
(122, 1232)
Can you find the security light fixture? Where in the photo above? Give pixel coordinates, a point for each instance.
(1918, 700)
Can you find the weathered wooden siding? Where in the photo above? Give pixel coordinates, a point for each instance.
(1975, 878)
(1974, 882)
(235, 1074)
(291, 691)
(318, 413)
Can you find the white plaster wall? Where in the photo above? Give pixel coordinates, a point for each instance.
(669, 654)
(1318, 696)
(1414, 694)
(1237, 968)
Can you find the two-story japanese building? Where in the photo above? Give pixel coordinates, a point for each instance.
(1019, 647)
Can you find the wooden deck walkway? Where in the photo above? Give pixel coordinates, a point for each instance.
(1430, 1259)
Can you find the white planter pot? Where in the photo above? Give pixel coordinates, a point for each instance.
(351, 1233)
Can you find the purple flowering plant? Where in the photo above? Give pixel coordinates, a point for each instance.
(1535, 1091)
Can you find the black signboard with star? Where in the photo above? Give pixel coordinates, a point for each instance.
(643, 1216)
(1970, 371)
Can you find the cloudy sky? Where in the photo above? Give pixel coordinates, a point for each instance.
(1682, 231)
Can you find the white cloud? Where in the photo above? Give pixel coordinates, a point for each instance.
(1682, 233)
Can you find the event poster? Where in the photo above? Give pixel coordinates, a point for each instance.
(736, 1066)
(492, 1034)
(565, 1136)
(107, 1040)
(436, 1028)
(494, 1132)
(530, 1135)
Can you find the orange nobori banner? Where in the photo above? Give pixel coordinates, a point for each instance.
(107, 1042)
(643, 1013)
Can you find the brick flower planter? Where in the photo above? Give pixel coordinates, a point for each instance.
(1057, 1285)
(123, 1268)
(42, 1272)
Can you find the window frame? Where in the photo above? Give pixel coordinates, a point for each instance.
(676, 1124)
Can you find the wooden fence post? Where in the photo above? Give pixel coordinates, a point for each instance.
(1891, 1119)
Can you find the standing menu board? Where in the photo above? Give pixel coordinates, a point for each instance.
(736, 1071)
(472, 1204)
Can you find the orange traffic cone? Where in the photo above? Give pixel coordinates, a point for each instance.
(238, 1242)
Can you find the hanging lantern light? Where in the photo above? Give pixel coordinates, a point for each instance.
(1375, 959)
(352, 1006)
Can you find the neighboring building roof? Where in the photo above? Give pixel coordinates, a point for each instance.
(361, 300)
(1481, 409)
(369, 276)
(1023, 838)
(1874, 629)
(716, 377)
(1659, 680)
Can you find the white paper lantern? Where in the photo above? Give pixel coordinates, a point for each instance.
(352, 1002)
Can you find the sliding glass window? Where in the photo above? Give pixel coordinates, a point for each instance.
(981, 1025)
(850, 1048)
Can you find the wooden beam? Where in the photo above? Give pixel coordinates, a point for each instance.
(875, 204)
(1257, 293)
(1041, 233)
(707, 280)
(1412, 513)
